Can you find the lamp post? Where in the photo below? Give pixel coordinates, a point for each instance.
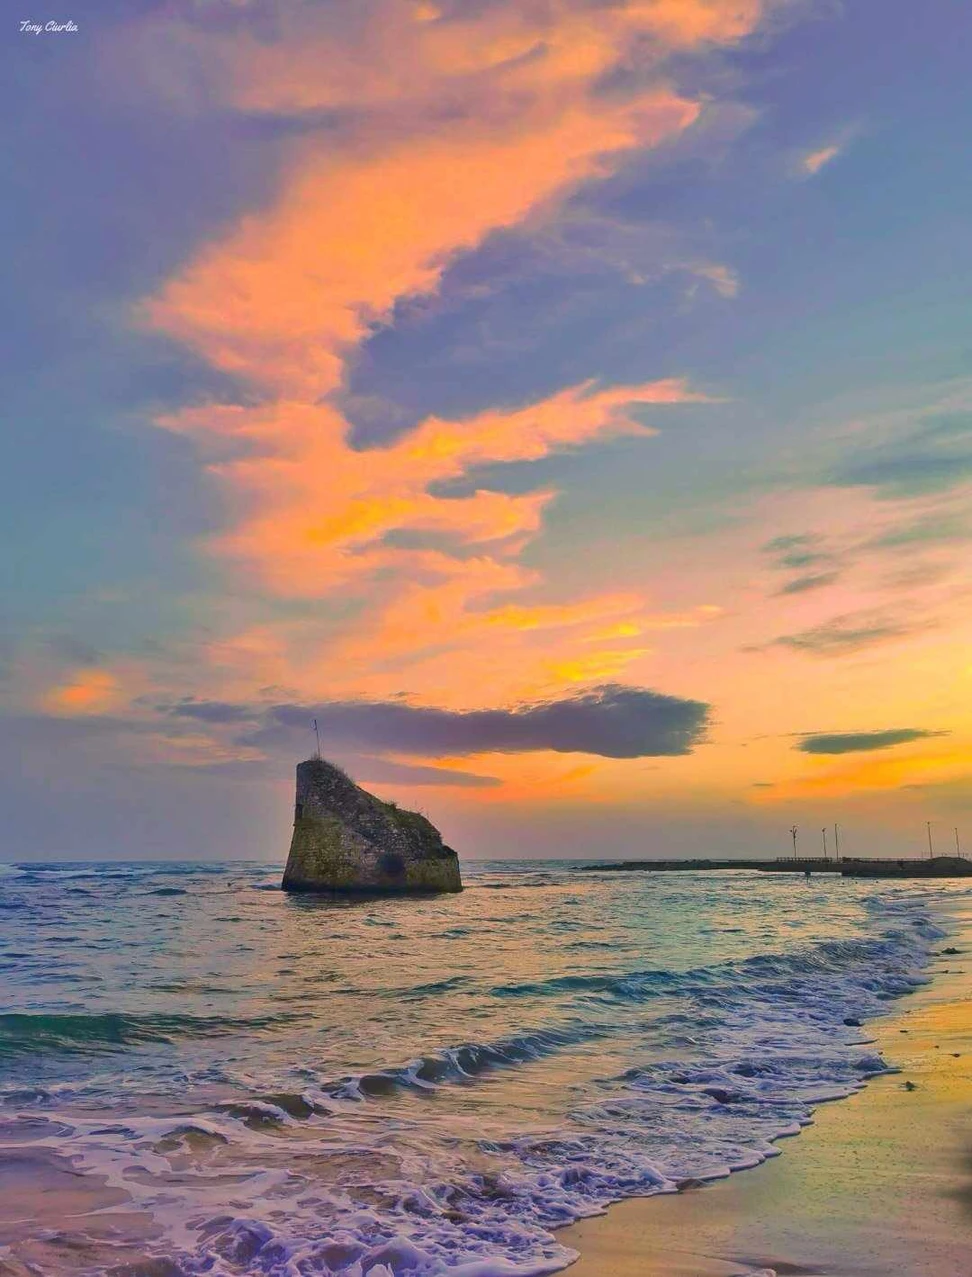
(793, 834)
(824, 832)
(931, 849)
(836, 842)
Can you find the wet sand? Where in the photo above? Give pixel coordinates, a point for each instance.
(879, 1186)
(54, 1219)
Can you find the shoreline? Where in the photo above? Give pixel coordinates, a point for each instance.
(879, 1183)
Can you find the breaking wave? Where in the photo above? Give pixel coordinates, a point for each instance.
(31, 1034)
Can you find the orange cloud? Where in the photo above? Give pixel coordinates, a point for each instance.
(314, 510)
(493, 115)
(408, 56)
(816, 160)
(87, 691)
(447, 128)
(691, 22)
(291, 292)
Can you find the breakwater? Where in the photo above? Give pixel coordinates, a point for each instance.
(847, 867)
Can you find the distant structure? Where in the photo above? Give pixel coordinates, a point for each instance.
(929, 867)
(937, 867)
(347, 840)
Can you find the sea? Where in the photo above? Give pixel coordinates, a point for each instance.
(202, 1074)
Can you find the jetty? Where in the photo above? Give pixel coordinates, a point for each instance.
(930, 867)
(846, 867)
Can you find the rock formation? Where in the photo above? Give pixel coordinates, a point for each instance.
(347, 840)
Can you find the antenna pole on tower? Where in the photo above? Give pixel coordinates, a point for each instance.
(317, 736)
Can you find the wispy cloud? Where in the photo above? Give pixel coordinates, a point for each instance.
(797, 552)
(723, 278)
(845, 634)
(811, 162)
(931, 455)
(929, 530)
(804, 584)
(814, 161)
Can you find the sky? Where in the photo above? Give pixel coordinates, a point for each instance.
(568, 403)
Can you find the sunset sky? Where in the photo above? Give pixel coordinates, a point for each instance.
(568, 403)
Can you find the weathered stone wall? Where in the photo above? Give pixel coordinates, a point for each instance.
(346, 839)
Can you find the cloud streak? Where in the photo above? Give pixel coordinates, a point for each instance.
(804, 584)
(861, 742)
(843, 635)
(933, 456)
(612, 721)
(797, 552)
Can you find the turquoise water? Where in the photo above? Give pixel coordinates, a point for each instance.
(246, 1082)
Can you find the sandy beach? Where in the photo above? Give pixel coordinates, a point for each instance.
(879, 1185)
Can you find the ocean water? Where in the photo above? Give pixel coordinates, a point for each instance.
(200, 1074)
